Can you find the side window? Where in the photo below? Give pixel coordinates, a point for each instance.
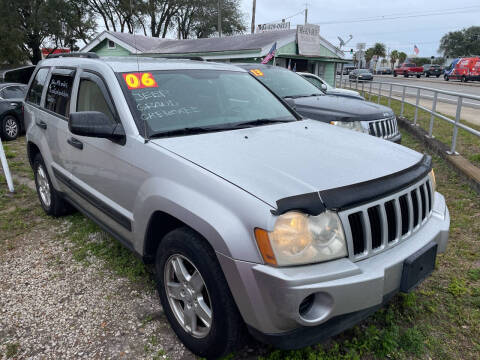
(315, 81)
(35, 93)
(92, 96)
(58, 94)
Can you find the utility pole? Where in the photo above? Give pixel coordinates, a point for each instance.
(253, 15)
(306, 13)
(219, 19)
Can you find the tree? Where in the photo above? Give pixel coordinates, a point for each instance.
(369, 55)
(461, 43)
(116, 15)
(199, 18)
(402, 57)
(393, 57)
(159, 15)
(32, 24)
(379, 50)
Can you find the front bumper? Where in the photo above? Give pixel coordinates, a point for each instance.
(345, 292)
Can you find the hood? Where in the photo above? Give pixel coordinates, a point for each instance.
(335, 108)
(345, 93)
(276, 161)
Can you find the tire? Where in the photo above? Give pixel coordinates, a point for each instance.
(394, 74)
(438, 75)
(405, 74)
(446, 78)
(10, 128)
(183, 245)
(427, 75)
(464, 79)
(50, 199)
(418, 76)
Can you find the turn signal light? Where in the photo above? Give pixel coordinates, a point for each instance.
(265, 247)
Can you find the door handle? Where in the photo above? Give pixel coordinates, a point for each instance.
(41, 124)
(75, 143)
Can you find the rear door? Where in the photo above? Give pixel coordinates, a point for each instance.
(54, 118)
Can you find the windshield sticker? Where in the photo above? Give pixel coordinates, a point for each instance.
(256, 72)
(139, 80)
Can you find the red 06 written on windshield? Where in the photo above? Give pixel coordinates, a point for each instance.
(139, 80)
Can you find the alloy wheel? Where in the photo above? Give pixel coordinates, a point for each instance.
(11, 127)
(43, 186)
(188, 296)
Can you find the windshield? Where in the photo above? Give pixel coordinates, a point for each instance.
(168, 101)
(363, 71)
(285, 83)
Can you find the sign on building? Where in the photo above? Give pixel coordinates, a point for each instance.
(282, 25)
(308, 39)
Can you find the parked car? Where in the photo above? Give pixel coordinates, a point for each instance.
(11, 115)
(383, 70)
(432, 70)
(328, 89)
(253, 217)
(463, 69)
(408, 69)
(347, 69)
(361, 74)
(351, 113)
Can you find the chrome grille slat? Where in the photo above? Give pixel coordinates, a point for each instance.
(367, 226)
(384, 128)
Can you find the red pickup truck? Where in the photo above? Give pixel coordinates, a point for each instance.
(408, 69)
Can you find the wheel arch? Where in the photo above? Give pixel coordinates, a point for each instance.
(32, 151)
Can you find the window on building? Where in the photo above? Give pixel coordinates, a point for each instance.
(111, 44)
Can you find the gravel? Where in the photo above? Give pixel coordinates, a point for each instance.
(52, 306)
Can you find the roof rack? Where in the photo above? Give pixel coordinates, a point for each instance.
(88, 55)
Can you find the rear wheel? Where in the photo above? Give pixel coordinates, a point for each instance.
(418, 76)
(50, 199)
(427, 75)
(464, 79)
(438, 75)
(446, 78)
(405, 74)
(10, 128)
(394, 74)
(195, 295)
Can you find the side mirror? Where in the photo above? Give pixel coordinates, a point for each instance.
(95, 124)
(323, 87)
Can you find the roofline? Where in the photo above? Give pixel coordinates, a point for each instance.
(108, 35)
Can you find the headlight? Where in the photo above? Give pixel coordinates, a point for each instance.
(298, 238)
(352, 125)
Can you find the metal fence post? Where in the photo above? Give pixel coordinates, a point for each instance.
(356, 83)
(379, 92)
(403, 101)
(417, 101)
(390, 95)
(434, 108)
(455, 127)
(363, 86)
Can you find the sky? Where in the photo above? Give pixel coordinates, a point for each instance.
(340, 18)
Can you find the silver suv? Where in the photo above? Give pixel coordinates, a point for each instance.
(254, 218)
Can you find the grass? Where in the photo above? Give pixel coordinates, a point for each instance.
(468, 144)
(440, 320)
(12, 350)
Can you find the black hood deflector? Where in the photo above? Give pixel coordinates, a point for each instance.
(349, 196)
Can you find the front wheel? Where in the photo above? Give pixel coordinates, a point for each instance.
(418, 76)
(405, 74)
(394, 74)
(446, 78)
(427, 75)
(10, 128)
(195, 296)
(438, 75)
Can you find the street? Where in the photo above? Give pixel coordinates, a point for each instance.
(446, 104)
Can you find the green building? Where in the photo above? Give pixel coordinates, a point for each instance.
(310, 53)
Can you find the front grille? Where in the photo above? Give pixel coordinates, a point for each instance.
(374, 227)
(384, 128)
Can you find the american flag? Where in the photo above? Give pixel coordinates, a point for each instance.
(415, 49)
(270, 55)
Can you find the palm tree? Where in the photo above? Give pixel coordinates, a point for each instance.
(379, 49)
(368, 56)
(393, 57)
(402, 57)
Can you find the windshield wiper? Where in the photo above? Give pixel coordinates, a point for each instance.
(300, 96)
(222, 127)
(186, 131)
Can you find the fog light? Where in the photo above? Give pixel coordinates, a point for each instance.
(306, 304)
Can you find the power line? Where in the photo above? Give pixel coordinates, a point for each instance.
(468, 9)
